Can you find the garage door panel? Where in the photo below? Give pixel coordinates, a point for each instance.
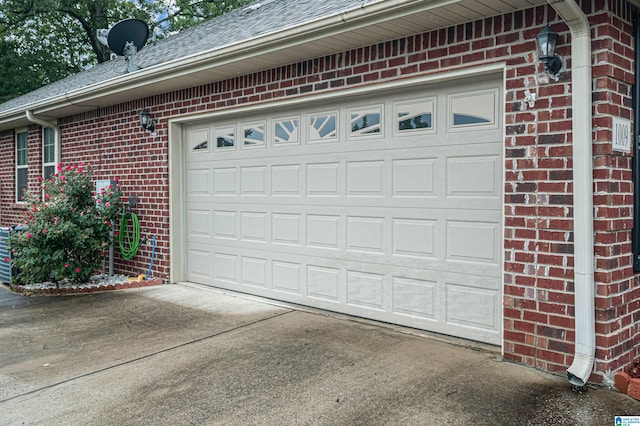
(366, 234)
(225, 224)
(324, 283)
(323, 231)
(199, 183)
(253, 227)
(287, 277)
(224, 181)
(473, 241)
(324, 179)
(423, 267)
(254, 181)
(366, 290)
(199, 225)
(381, 207)
(414, 238)
(485, 302)
(473, 183)
(365, 178)
(473, 176)
(287, 180)
(254, 271)
(415, 298)
(287, 229)
(404, 295)
(226, 268)
(431, 204)
(414, 177)
(200, 262)
(437, 239)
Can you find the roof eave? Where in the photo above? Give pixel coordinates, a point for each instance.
(272, 50)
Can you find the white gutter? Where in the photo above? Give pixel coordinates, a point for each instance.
(44, 123)
(584, 293)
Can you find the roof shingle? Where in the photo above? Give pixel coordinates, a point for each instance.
(229, 29)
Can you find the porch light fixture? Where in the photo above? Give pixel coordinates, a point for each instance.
(147, 123)
(546, 42)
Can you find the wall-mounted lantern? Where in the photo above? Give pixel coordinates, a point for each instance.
(546, 42)
(146, 121)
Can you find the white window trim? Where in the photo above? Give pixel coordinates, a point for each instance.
(56, 150)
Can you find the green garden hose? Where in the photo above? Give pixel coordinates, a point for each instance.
(133, 241)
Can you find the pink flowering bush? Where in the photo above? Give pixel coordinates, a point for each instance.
(66, 233)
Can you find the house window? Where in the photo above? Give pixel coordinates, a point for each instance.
(49, 153)
(22, 168)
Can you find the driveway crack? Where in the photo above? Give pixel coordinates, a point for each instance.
(146, 356)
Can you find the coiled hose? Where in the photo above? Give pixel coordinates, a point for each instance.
(129, 249)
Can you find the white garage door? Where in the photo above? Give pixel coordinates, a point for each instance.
(386, 206)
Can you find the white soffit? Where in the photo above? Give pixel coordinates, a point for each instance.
(372, 23)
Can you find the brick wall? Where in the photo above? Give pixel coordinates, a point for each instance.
(113, 144)
(12, 213)
(538, 290)
(538, 224)
(618, 290)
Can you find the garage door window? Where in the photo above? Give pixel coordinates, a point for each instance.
(414, 116)
(473, 110)
(366, 121)
(199, 140)
(226, 138)
(286, 130)
(254, 136)
(323, 127)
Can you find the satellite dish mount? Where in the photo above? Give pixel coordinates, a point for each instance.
(126, 38)
(129, 52)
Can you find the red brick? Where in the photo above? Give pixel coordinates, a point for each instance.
(622, 381)
(633, 390)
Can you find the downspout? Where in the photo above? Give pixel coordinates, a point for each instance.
(584, 294)
(44, 123)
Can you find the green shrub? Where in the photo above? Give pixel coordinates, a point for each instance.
(68, 233)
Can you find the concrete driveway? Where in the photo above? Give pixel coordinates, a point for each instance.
(179, 355)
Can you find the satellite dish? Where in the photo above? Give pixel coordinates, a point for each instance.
(127, 31)
(126, 38)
